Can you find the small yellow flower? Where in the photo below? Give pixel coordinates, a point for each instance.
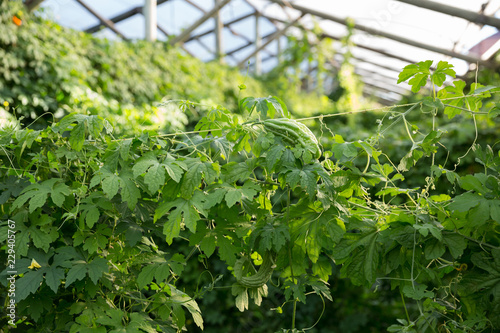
(5, 103)
(34, 264)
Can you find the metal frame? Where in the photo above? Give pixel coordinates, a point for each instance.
(260, 43)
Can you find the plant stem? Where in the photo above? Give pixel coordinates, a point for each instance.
(404, 305)
(290, 257)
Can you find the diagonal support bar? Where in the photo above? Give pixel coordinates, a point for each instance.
(454, 11)
(185, 34)
(121, 17)
(277, 34)
(377, 32)
(32, 4)
(103, 20)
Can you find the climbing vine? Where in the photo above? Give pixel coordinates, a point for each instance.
(105, 226)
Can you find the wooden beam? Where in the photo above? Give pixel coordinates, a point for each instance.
(31, 5)
(377, 32)
(275, 35)
(185, 34)
(103, 20)
(454, 11)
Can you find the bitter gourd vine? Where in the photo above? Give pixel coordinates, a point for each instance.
(258, 279)
(293, 132)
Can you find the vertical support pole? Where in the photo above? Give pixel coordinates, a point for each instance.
(258, 44)
(278, 51)
(219, 26)
(150, 16)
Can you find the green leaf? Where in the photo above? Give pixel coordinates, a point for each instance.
(417, 292)
(322, 268)
(146, 275)
(192, 178)
(227, 251)
(439, 76)
(77, 137)
(43, 238)
(189, 303)
(495, 210)
(109, 180)
(306, 176)
(53, 277)
(113, 317)
(456, 244)
(407, 72)
(29, 283)
(12, 187)
(360, 267)
(38, 193)
(272, 237)
(434, 249)
(273, 155)
(470, 182)
(465, 202)
(77, 272)
(236, 194)
(96, 268)
(207, 245)
(426, 227)
(155, 176)
(234, 172)
(482, 284)
(480, 214)
(344, 151)
(185, 210)
(95, 125)
(418, 81)
(130, 193)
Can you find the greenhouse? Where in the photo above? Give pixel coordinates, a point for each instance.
(250, 166)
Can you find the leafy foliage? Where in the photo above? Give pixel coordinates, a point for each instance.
(115, 224)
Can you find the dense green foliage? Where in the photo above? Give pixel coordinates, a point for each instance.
(113, 223)
(126, 224)
(48, 71)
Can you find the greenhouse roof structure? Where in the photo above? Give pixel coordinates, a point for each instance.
(387, 34)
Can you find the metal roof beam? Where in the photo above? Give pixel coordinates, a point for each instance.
(104, 21)
(247, 45)
(325, 35)
(32, 4)
(375, 94)
(121, 17)
(368, 73)
(167, 35)
(225, 25)
(185, 33)
(275, 35)
(378, 88)
(454, 11)
(377, 32)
